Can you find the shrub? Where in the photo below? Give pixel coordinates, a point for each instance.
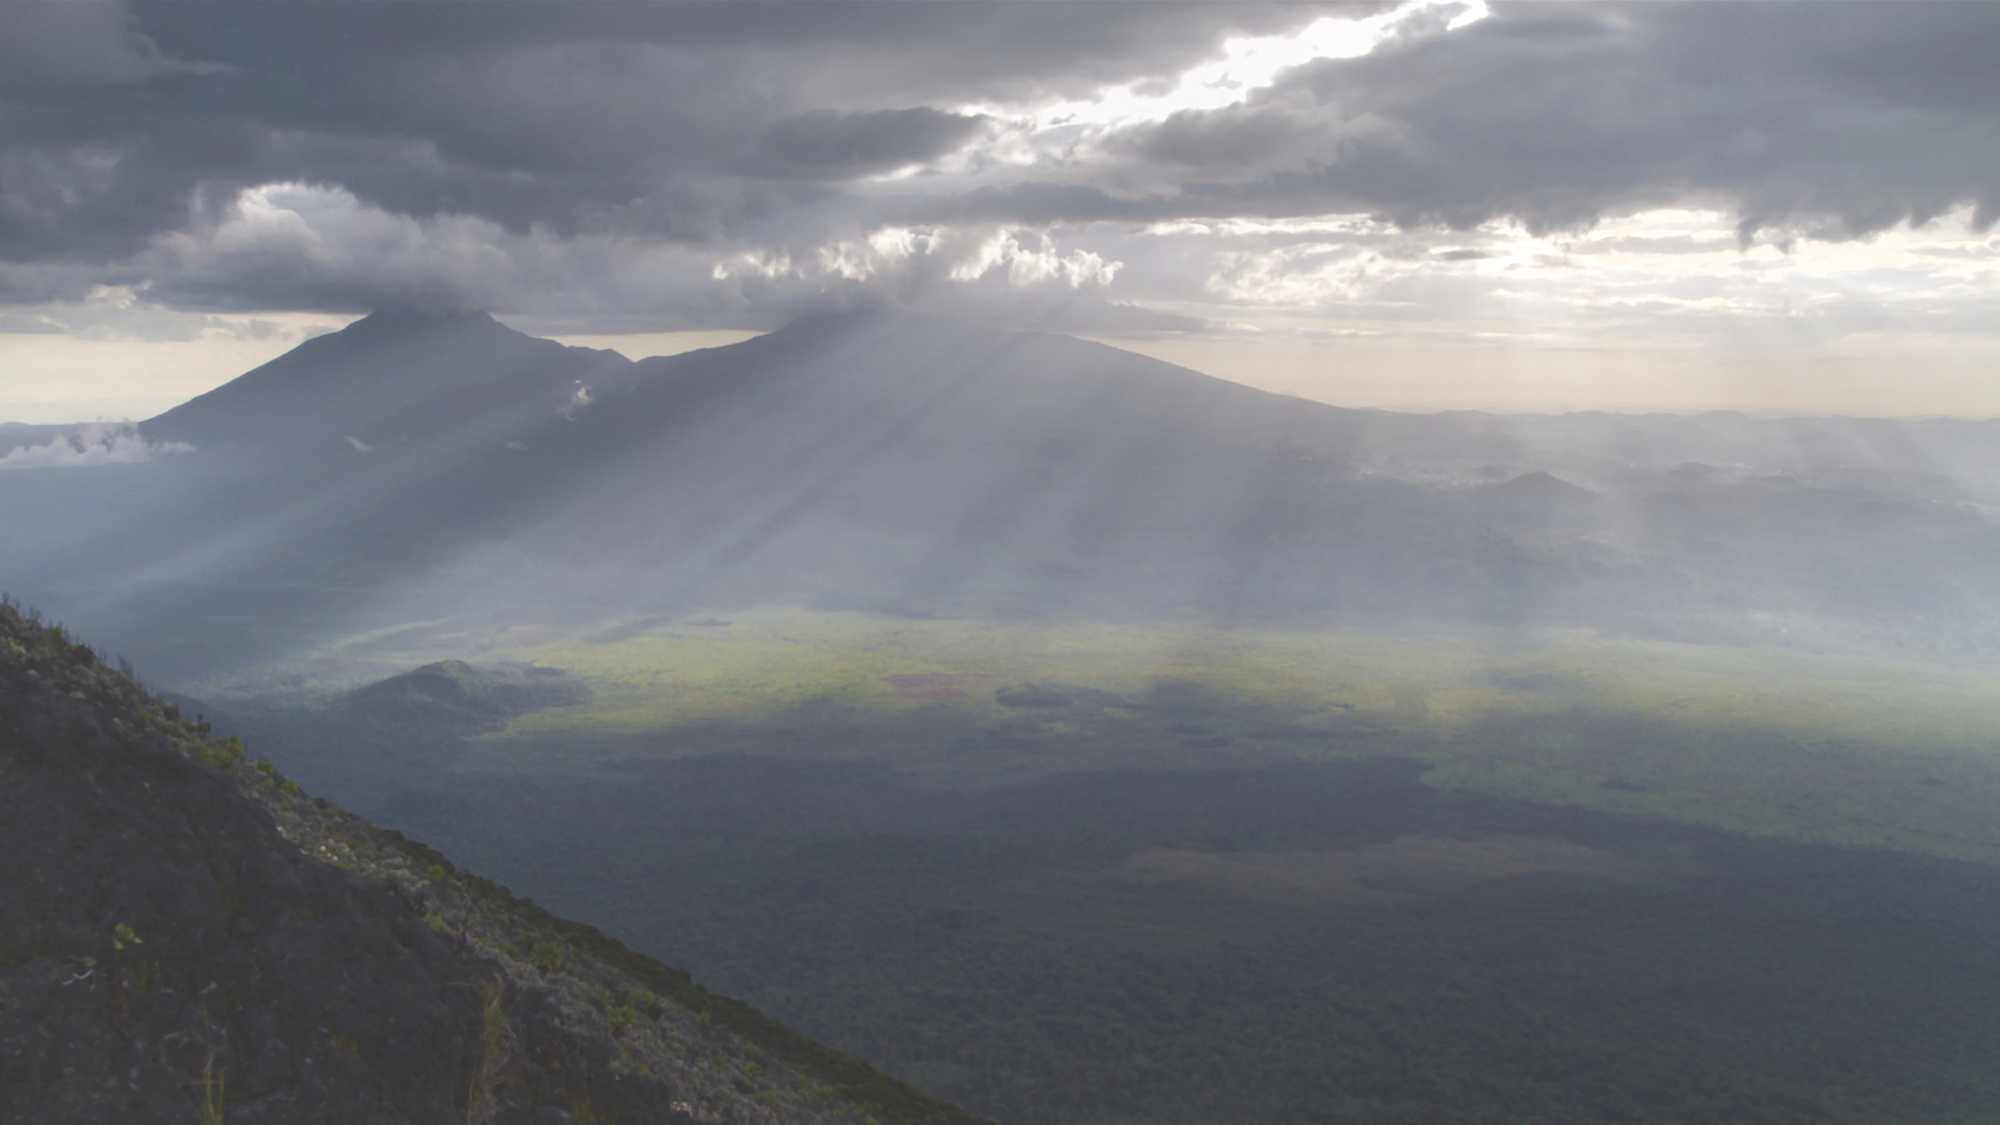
(624, 1016)
(547, 955)
(224, 754)
(278, 781)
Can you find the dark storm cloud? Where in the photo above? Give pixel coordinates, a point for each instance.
(1033, 202)
(538, 111)
(131, 132)
(1845, 118)
(853, 144)
(970, 47)
(76, 42)
(1224, 138)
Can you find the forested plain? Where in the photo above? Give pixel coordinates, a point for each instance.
(1560, 883)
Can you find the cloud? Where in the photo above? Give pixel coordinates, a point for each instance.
(296, 245)
(1559, 115)
(91, 445)
(558, 115)
(614, 166)
(78, 42)
(1033, 261)
(854, 144)
(1233, 136)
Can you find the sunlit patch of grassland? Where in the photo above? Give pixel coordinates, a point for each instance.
(668, 678)
(766, 661)
(764, 664)
(1820, 746)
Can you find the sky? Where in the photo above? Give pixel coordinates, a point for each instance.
(1425, 205)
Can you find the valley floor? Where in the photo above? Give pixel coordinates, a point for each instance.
(1111, 874)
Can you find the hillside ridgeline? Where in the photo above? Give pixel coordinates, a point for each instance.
(187, 937)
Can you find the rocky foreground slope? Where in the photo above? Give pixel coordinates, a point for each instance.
(186, 937)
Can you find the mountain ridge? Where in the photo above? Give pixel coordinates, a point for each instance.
(189, 937)
(390, 374)
(417, 465)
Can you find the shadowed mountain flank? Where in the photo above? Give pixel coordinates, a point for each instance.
(187, 937)
(396, 377)
(454, 696)
(419, 464)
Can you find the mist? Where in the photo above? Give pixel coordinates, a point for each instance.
(967, 469)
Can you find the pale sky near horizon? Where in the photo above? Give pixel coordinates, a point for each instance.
(1363, 374)
(1435, 204)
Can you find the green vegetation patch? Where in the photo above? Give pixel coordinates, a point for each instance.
(1821, 746)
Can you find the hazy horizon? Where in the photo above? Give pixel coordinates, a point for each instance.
(1561, 383)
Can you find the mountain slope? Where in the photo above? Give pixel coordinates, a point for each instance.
(451, 696)
(417, 465)
(188, 938)
(398, 376)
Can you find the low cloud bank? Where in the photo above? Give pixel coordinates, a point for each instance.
(107, 444)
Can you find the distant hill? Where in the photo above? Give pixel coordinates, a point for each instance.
(422, 463)
(452, 695)
(387, 381)
(188, 938)
(1539, 488)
